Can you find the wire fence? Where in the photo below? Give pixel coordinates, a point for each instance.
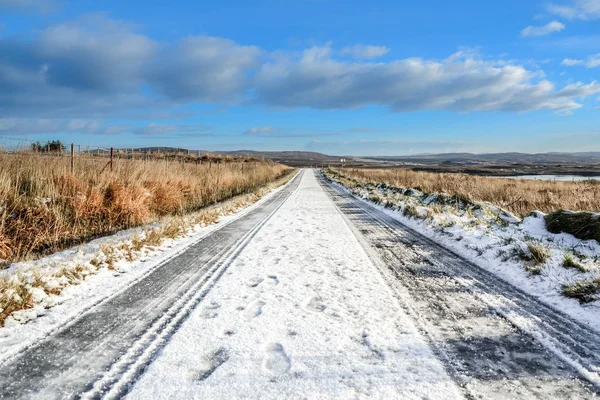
(107, 157)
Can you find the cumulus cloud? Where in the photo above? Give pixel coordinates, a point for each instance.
(590, 62)
(547, 29)
(96, 67)
(41, 6)
(460, 83)
(365, 52)
(577, 9)
(204, 68)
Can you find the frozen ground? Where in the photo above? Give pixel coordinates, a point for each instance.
(312, 293)
(301, 313)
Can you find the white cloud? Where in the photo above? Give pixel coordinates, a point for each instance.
(577, 9)
(590, 62)
(260, 130)
(593, 61)
(569, 62)
(365, 52)
(551, 27)
(460, 83)
(95, 68)
(204, 68)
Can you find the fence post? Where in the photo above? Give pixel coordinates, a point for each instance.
(111, 159)
(72, 158)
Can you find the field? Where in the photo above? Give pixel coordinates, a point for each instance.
(44, 207)
(521, 197)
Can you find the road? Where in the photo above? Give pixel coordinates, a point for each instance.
(314, 294)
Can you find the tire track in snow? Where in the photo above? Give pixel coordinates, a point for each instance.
(329, 326)
(101, 353)
(496, 341)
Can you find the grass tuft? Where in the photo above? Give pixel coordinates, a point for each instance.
(539, 253)
(570, 262)
(584, 291)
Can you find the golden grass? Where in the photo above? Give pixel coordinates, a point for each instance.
(17, 288)
(518, 196)
(45, 208)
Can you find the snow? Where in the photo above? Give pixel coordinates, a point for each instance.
(301, 312)
(51, 312)
(492, 246)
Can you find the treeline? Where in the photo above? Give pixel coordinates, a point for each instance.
(51, 146)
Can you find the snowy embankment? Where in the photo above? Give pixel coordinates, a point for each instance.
(301, 312)
(60, 287)
(522, 252)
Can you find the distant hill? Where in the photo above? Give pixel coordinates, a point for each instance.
(511, 158)
(309, 158)
(296, 158)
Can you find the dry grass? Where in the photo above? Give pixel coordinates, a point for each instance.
(584, 291)
(518, 196)
(45, 208)
(18, 289)
(539, 253)
(571, 263)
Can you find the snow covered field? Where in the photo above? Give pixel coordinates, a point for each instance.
(301, 313)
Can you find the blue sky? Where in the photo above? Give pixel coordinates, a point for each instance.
(339, 77)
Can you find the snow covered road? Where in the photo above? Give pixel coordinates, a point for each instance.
(301, 313)
(314, 294)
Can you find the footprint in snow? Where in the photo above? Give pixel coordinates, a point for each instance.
(210, 362)
(273, 280)
(254, 282)
(314, 303)
(211, 310)
(275, 360)
(254, 309)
